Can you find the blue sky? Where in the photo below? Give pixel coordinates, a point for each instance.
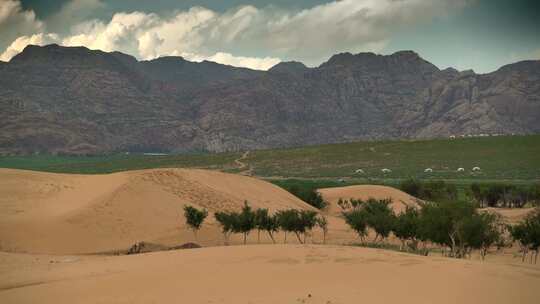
(466, 34)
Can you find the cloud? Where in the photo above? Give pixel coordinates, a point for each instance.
(239, 61)
(20, 43)
(257, 37)
(73, 12)
(16, 22)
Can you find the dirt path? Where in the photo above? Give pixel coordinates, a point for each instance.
(242, 165)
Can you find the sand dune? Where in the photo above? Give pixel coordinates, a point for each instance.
(64, 213)
(264, 274)
(510, 215)
(399, 198)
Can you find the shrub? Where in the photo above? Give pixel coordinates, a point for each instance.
(265, 222)
(227, 222)
(297, 222)
(458, 226)
(406, 227)
(245, 221)
(527, 233)
(194, 218)
(348, 204)
(380, 217)
(308, 220)
(288, 221)
(357, 220)
(430, 191)
(322, 223)
(504, 195)
(309, 195)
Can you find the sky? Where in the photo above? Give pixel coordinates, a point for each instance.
(482, 35)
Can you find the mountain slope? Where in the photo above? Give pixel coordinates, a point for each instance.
(74, 100)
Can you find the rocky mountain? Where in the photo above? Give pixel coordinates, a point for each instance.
(74, 100)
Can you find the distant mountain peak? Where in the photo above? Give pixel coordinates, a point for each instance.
(289, 67)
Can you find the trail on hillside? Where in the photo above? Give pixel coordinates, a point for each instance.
(242, 165)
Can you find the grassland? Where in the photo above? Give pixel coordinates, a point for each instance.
(510, 158)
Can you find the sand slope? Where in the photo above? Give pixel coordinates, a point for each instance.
(262, 274)
(64, 213)
(510, 215)
(399, 198)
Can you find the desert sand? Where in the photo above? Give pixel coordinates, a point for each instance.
(264, 274)
(400, 199)
(510, 215)
(52, 226)
(68, 214)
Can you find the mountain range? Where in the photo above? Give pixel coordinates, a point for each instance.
(72, 100)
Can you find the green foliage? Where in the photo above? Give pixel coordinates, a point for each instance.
(309, 195)
(322, 223)
(459, 226)
(297, 222)
(527, 233)
(504, 195)
(380, 216)
(245, 221)
(501, 158)
(228, 223)
(431, 190)
(357, 220)
(348, 204)
(266, 222)
(406, 226)
(194, 217)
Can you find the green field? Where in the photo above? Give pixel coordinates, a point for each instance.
(510, 158)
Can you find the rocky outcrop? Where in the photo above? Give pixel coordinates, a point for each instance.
(74, 100)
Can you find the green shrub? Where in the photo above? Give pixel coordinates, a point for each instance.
(357, 220)
(308, 195)
(194, 218)
(245, 221)
(227, 222)
(527, 233)
(430, 191)
(406, 227)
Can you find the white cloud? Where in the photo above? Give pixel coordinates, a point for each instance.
(256, 37)
(73, 12)
(20, 43)
(15, 22)
(228, 59)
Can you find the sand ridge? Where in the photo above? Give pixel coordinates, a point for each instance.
(64, 213)
(400, 199)
(264, 274)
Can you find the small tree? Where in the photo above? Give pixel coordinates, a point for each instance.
(261, 219)
(246, 221)
(289, 222)
(528, 234)
(357, 220)
(380, 217)
(308, 220)
(479, 231)
(322, 223)
(228, 223)
(194, 218)
(406, 227)
(270, 225)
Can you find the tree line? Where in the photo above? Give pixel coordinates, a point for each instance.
(457, 227)
(482, 194)
(504, 195)
(298, 222)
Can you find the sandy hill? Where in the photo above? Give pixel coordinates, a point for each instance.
(510, 215)
(265, 274)
(399, 198)
(64, 213)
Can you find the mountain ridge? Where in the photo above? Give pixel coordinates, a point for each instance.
(80, 101)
